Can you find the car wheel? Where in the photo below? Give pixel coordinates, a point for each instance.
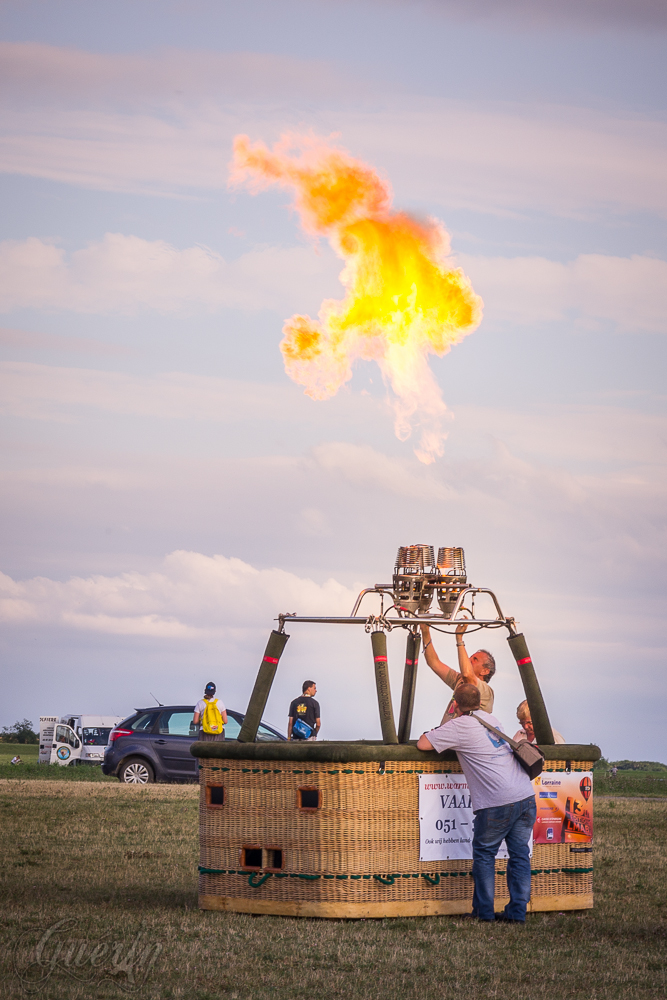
(136, 771)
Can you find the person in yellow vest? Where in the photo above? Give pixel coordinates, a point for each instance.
(210, 716)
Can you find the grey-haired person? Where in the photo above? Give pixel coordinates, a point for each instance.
(527, 732)
(477, 669)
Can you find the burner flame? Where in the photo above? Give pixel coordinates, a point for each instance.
(403, 299)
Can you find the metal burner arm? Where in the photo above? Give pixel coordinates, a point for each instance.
(405, 615)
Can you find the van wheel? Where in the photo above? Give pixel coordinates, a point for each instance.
(136, 771)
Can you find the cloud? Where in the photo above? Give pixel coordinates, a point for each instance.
(530, 14)
(369, 469)
(45, 393)
(116, 122)
(629, 292)
(33, 71)
(190, 596)
(127, 274)
(511, 158)
(30, 340)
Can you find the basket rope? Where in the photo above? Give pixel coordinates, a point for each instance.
(433, 879)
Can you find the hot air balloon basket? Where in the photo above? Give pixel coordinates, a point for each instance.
(342, 839)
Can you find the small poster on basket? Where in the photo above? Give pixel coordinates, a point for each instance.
(564, 807)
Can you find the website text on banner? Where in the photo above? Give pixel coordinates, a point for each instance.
(564, 814)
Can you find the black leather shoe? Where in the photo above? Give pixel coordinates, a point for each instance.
(504, 919)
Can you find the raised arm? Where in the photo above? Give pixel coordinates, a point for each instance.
(465, 666)
(445, 673)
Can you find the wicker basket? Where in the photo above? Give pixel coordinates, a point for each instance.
(340, 838)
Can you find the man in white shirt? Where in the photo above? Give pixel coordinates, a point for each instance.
(477, 669)
(503, 801)
(200, 708)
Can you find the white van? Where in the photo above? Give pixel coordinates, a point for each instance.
(47, 725)
(80, 738)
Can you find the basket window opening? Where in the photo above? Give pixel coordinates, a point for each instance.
(251, 857)
(308, 798)
(268, 859)
(274, 859)
(215, 795)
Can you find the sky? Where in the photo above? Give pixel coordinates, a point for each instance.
(167, 489)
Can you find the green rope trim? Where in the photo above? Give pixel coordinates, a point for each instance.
(555, 871)
(267, 770)
(257, 879)
(254, 884)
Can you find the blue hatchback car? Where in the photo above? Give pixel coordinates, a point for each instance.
(154, 744)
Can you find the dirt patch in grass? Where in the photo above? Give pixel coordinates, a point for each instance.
(120, 863)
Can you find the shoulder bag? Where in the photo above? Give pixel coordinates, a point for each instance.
(528, 754)
(301, 730)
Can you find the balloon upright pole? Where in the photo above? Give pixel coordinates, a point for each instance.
(409, 683)
(379, 643)
(260, 692)
(538, 710)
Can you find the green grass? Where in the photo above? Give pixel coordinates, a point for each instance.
(26, 751)
(652, 783)
(46, 772)
(121, 861)
(31, 768)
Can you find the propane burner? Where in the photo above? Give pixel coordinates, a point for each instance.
(411, 585)
(453, 581)
(418, 576)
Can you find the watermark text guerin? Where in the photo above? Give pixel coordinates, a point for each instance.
(63, 950)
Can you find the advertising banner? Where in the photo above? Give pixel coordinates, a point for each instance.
(564, 813)
(564, 807)
(446, 818)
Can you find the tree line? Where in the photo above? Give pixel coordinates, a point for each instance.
(20, 732)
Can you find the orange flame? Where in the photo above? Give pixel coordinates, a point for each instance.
(403, 300)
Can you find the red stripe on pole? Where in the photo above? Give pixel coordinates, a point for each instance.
(380, 659)
(270, 659)
(526, 659)
(408, 663)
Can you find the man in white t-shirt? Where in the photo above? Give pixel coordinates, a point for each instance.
(200, 708)
(503, 801)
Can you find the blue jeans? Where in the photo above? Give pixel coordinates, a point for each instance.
(513, 824)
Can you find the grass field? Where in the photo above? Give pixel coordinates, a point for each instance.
(120, 864)
(31, 768)
(26, 751)
(653, 783)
